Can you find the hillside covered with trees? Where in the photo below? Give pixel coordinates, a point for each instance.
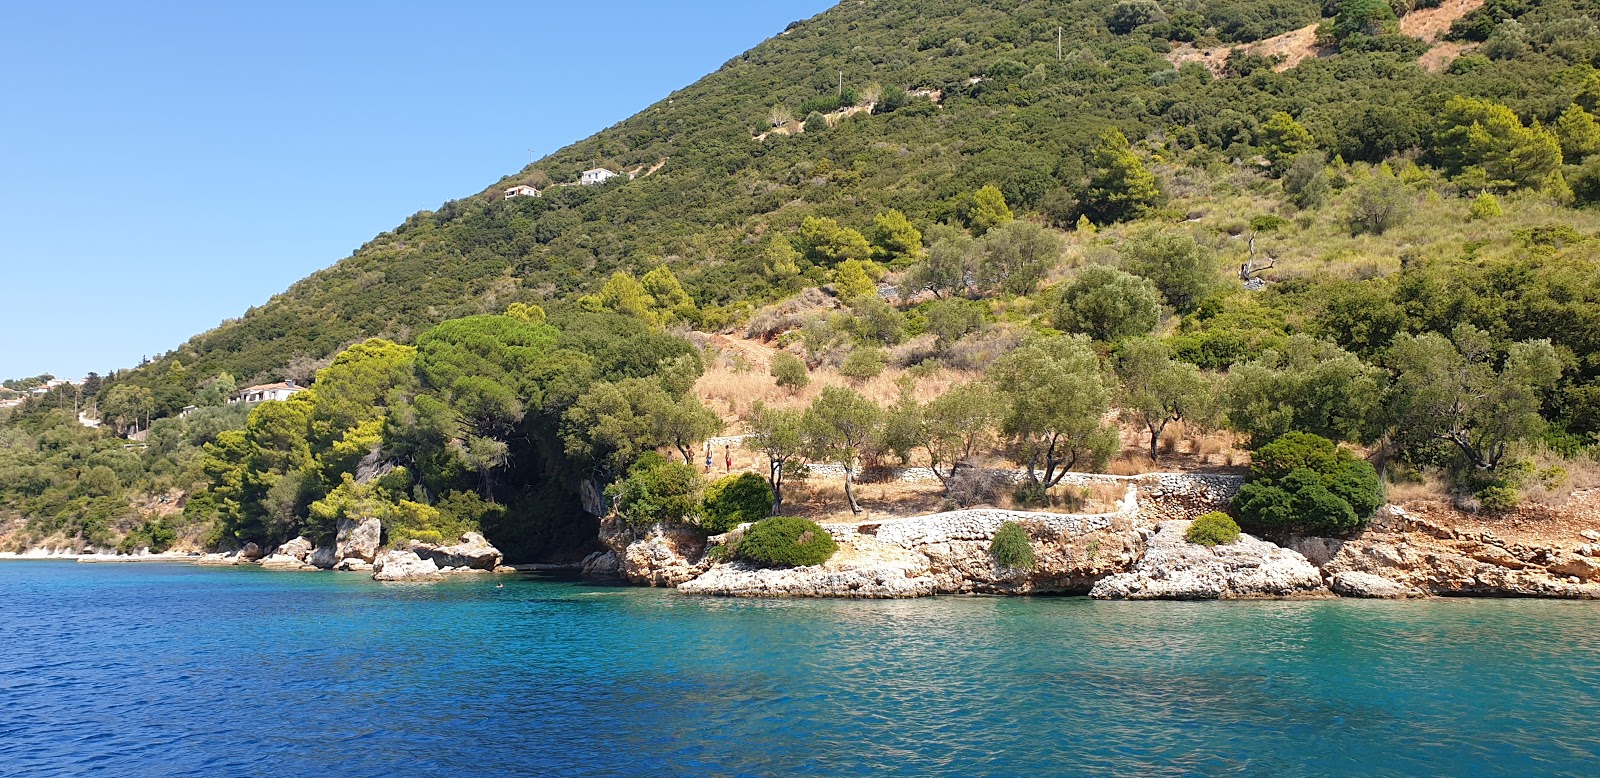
(1357, 248)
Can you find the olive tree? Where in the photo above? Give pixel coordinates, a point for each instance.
(779, 434)
(836, 426)
(1306, 386)
(1056, 399)
(1182, 269)
(1452, 390)
(1157, 389)
(1015, 257)
(957, 425)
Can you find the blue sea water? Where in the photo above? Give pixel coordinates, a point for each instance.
(169, 670)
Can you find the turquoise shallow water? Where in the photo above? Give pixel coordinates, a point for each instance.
(158, 670)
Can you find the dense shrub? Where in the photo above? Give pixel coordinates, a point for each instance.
(789, 371)
(1213, 529)
(154, 535)
(734, 500)
(1304, 483)
(1485, 206)
(1108, 304)
(864, 362)
(1011, 547)
(656, 491)
(1498, 498)
(786, 541)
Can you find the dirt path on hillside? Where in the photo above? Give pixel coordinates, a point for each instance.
(1297, 46)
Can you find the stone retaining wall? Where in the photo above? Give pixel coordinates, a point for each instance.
(972, 524)
(1153, 495)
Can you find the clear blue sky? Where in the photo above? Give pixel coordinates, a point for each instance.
(164, 166)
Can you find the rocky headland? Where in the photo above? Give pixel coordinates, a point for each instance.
(1135, 552)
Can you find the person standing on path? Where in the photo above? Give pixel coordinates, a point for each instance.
(708, 456)
(727, 458)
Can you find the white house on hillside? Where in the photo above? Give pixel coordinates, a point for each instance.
(265, 392)
(521, 190)
(597, 176)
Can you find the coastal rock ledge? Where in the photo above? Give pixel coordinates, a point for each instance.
(1172, 568)
(879, 572)
(405, 566)
(472, 553)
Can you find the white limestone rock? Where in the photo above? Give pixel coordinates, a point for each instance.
(358, 539)
(1172, 568)
(354, 565)
(602, 564)
(869, 570)
(1373, 587)
(472, 552)
(284, 562)
(404, 566)
(322, 558)
(217, 560)
(299, 548)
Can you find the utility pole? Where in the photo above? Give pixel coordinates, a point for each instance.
(530, 156)
(841, 83)
(1058, 43)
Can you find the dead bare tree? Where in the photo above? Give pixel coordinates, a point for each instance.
(1250, 269)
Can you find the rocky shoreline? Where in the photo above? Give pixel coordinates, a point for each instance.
(1135, 553)
(356, 548)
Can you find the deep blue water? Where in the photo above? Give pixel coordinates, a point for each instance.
(147, 670)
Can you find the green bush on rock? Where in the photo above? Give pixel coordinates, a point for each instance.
(786, 541)
(1304, 483)
(657, 491)
(734, 500)
(1213, 529)
(1011, 548)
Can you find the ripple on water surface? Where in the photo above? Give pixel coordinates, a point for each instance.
(169, 670)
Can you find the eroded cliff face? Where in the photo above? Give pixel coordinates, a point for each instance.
(1136, 552)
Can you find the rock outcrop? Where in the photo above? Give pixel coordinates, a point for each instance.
(405, 566)
(1371, 587)
(1425, 555)
(299, 548)
(862, 569)
(322, 558)
(472, 553)
(601, 564)
(658, 556)
(290, 556)
(1172, 568)
(358, 539)
(1134, 552)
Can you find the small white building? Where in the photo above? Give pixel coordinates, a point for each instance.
(265, 392)
(521, 190)
(597, 176)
